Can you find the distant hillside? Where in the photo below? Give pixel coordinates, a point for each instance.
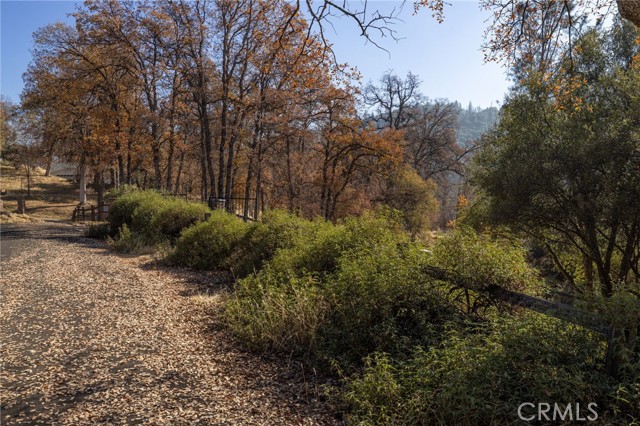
(474, 121)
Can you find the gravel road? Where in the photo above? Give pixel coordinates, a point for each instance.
(92, 337)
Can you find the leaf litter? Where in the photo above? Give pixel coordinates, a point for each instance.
(91, 337)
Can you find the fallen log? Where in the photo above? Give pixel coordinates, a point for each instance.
(563, 311)
(618, 340)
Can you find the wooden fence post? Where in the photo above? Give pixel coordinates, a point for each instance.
(22, 205)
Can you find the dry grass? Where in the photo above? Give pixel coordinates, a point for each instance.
(8, 217)
(51, 196)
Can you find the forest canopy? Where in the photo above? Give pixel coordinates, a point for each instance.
(238, 101)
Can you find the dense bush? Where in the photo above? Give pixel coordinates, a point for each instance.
(623, 312)
(482, 378)
(123, 208)
(354, 296)
(126, 241)
(277, 230)
(318, 247)
(143, 217)
(625, 398)
(381, 301)
(278, 312)
(283, 305)
(375, 300)
(482, 260)
(313, 251)
(174, 215)
(208, 245)
(98, 230)
(415, 197)
(339, 292)
(271, 309)
(153, 218)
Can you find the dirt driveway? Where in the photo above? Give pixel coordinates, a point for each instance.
(90, 337)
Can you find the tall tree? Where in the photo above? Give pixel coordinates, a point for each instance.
(394, 98)
(7, 124)
(571, 169)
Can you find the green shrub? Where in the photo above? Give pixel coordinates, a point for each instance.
(414, 197)
(126, 241)
(483, 261)
(314, 250)
(208, 245)
(281, 313)
(623, 312)
(309, 253)
(123, 208)
(144, 214)
(316, 247)
(381, 301)
(355, 296)
(373, 229)
(174, 215)
(339, 292)
(282, 305)
(118, 192)
(375, 300)
(625, 397)
(98, 230)
(481, 378)
(152, 217)
(277, 230)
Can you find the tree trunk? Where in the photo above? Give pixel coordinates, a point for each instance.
(605, 280)
(203, 181)
(98, 182)
(129, 171)
(290, 186)
(205, 134)
(49, 161)
(155, 150)
(588, 272)
(28, 180)
(83, 186)
(324, 192)
(230, 172)
(179, 173)
(630, 9)
(225, 68)
(247, 188)
(121, 175)
(258, 201)
(169, 177)
(221, 149)
(626, 264)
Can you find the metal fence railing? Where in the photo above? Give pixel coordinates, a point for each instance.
(242, 207)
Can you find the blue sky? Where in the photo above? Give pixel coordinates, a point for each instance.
(18, 21)
(446, 56)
